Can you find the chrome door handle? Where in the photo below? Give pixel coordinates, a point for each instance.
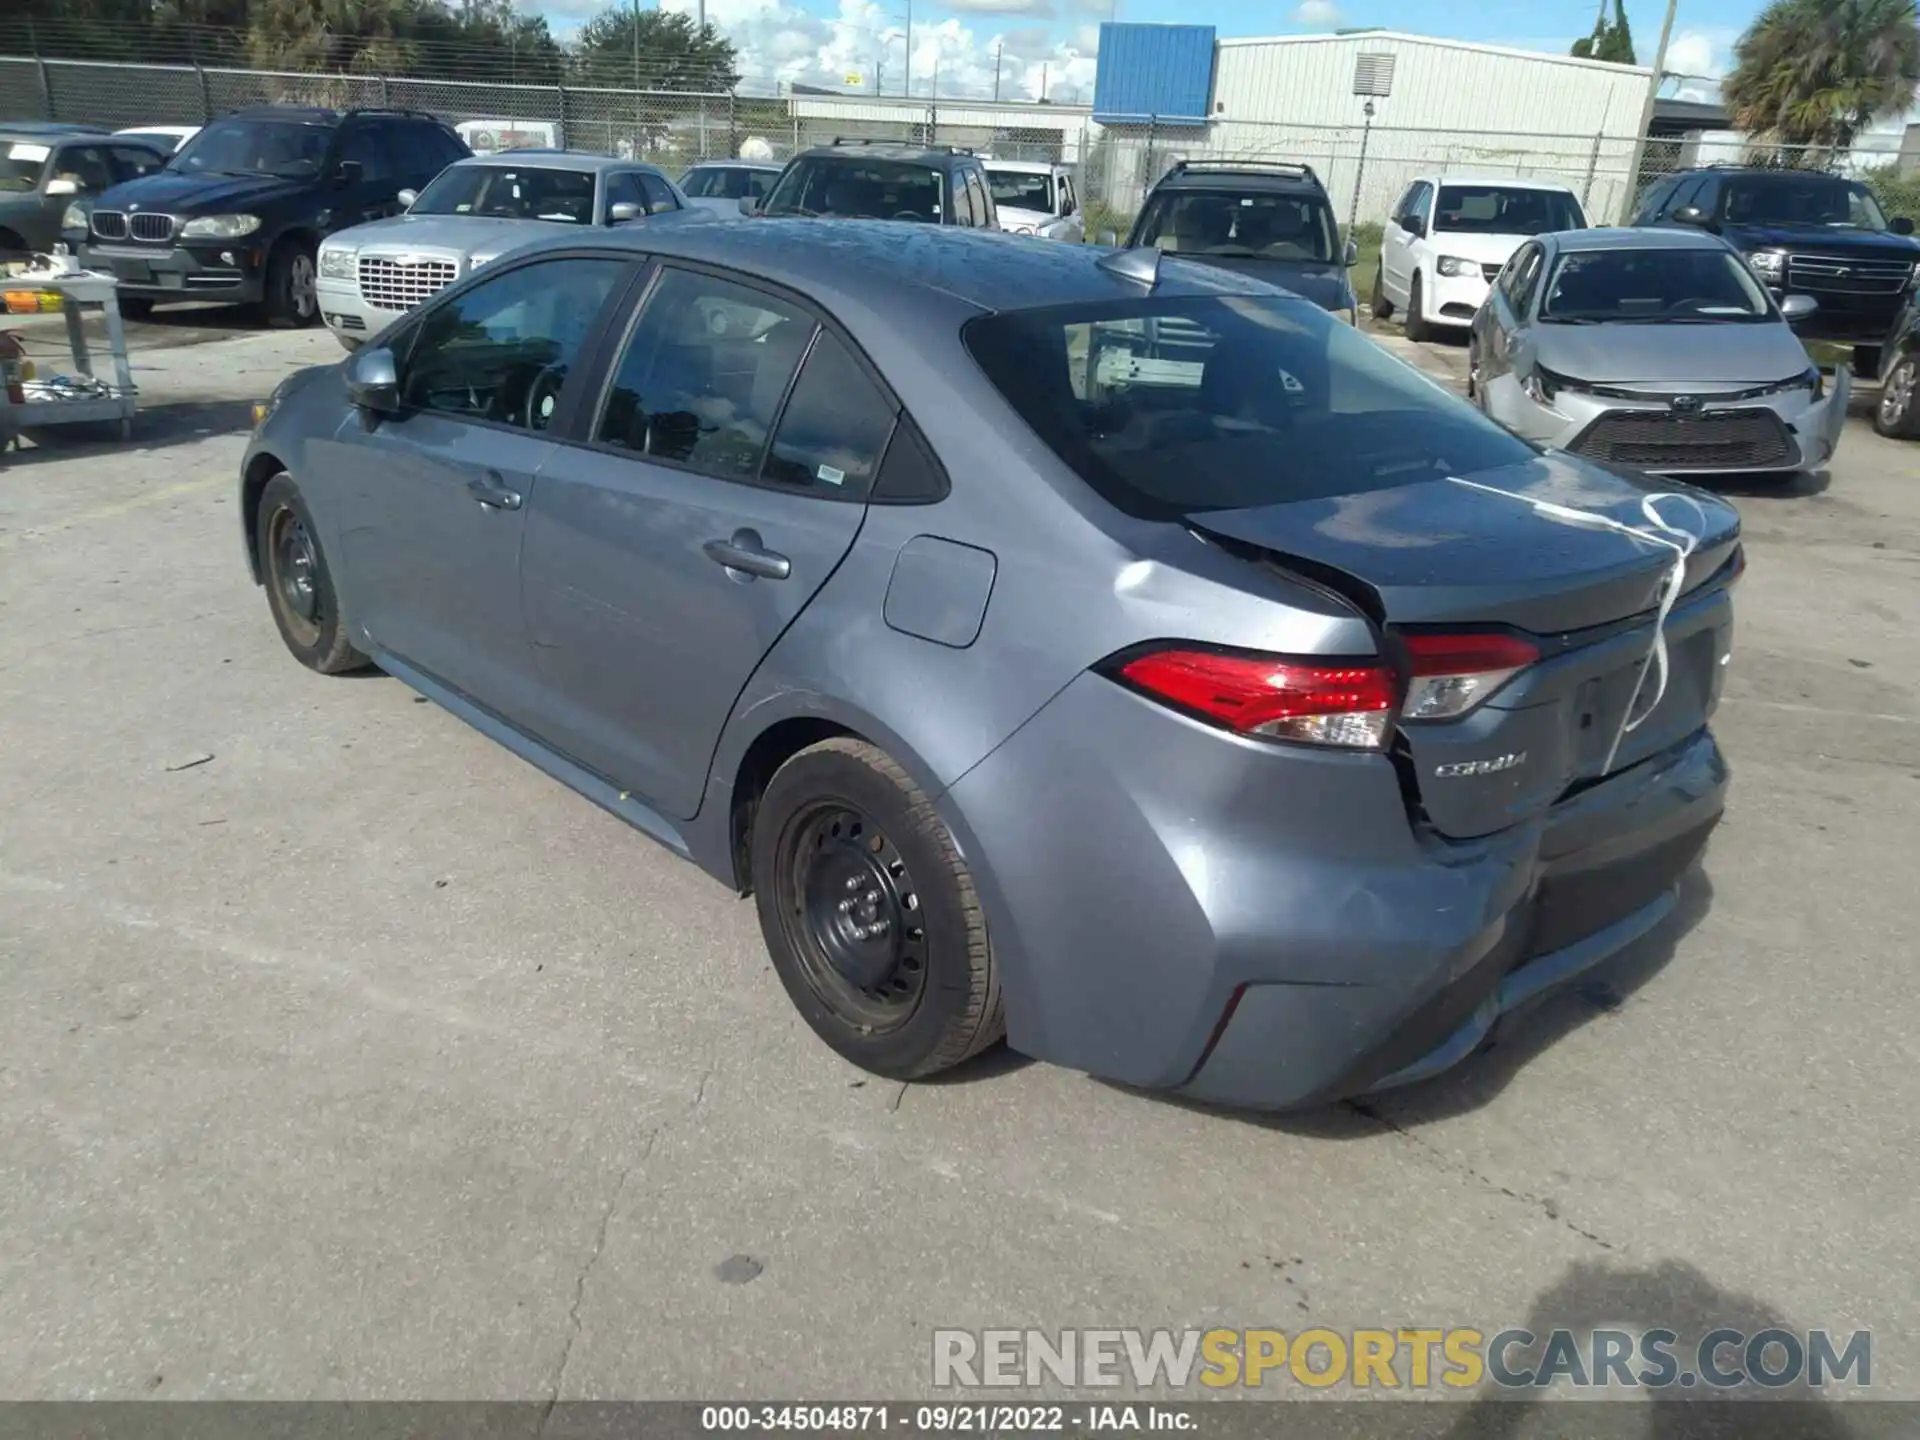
(745, 555)
(491, 491)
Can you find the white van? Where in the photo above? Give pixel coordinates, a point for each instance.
(490, 137)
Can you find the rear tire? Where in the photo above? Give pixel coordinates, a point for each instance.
(1382, 307)
(291, 300)
(300, 588)
(1417, 327)
(1473, 370)
(1897, 413)
(870, 914)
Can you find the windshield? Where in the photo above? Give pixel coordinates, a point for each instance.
(859, 190)
(289, 149)
(1505, 210)
(1021, 191)
(1804, 200)
(1171, 405)
(510, 192)
(727, 182)
(20, 166)
(1259, 226)
(1676, 286)
(165, 144)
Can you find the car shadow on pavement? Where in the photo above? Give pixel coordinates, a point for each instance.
(155, 427)
(1670, 1295)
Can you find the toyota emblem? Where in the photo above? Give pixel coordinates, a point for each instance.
(1686, 404)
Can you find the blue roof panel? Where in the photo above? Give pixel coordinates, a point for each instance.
(1159, 74)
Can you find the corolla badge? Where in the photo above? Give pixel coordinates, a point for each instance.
(1481, 767)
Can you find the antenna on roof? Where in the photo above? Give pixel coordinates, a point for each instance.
(1140, 266)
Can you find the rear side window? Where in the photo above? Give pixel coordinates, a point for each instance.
(1170, 405)
(834, 430)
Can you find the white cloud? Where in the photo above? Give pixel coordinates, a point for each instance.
(1317, 14)
(1698, 52)
(1001, 7)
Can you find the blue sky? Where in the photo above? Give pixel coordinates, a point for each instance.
(1052, 43)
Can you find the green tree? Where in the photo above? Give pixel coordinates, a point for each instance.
(672, 52)
(1818, 72)
(1611, 40)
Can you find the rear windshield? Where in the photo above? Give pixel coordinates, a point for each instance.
(1505, 210)
(1258, 226)
(727, 182)
(1019, 190)
(1664, 287)
(859, 190)
(1803, 200)
(1172, 405)
(510, 192)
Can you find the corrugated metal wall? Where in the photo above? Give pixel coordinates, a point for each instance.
(1162, 72)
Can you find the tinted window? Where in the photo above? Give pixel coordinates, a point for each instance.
(1802, 199)
(1505, 210)
(727, 182)
(511, 192)
(909, 475)
(86, 165)
(1683, 194)
(502, 351)
(1655, 286)
(982, 201)
(1652, 200)
(437, 147)
(1168, 405)
(1021, 190)
(834, 430)
(369, 146)
(859, 189)
(1419, 200)
(1270, 226)
(1526, 282)
(703, 374)
(245, 145)
(659, 195)
(1514, 278)
(132, 160)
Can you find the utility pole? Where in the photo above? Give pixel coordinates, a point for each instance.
(636, 81)
(1646, 115)
(1043, 81)
(996, 74)
(906, 83)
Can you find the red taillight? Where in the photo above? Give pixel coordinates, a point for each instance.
(1454, 673)
(1320, 702)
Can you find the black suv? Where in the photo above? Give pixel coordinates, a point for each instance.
(883, 180)
(1804, 232)
(239, 211)
(1264, 219)
(1897, 413)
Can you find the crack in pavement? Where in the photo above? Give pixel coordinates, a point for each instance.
(580, 1284)
(1546, 1207)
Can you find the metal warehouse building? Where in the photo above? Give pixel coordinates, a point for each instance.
(1168, 92)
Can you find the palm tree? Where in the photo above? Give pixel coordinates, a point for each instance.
(1818, 72)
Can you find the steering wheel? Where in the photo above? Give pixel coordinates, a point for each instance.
(908, 215)
(543, 395)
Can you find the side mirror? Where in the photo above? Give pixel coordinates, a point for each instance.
(1107, 238)
(373, 384)
(749, 205)
(1066, 209)
(348, 172)
(1693, 215)
(1352, 256)
(1900, 225)
(623, 211)
(406, 198)
(63, 186)
(1796, 308)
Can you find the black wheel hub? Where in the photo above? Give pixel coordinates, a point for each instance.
(295, 568)
(857, 914)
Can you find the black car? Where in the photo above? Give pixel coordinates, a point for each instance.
(1260, 218)
(883, 180)
(1804, 232)
(1897, 414)
(239, 212)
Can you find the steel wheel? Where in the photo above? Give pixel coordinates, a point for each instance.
(295, 563)
(852, 915)
(1894, 415)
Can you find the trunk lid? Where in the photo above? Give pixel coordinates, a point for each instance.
(1440, 554)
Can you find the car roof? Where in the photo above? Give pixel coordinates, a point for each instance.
(47, 130)
(532, 159)
(1505, 182)
(1610, 237)
(1279, 176)
(932, 155)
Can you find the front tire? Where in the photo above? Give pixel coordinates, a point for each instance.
(292, 298)
(870, 914)
(1417, 327)
(300, 587)
(1897, 413)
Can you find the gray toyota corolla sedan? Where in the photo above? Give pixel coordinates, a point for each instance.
(1116, 652)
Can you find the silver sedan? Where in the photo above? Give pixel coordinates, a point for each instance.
(1655, 350)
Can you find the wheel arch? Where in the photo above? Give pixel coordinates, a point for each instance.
(261, 468)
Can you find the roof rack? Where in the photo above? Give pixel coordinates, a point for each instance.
(1223, 162)
(900, 144)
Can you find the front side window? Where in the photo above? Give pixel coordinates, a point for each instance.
(511, 192)
(86, 166)
(502, 351)
(1173, 405)
(1505, 210)
(1266, 226)
(858, 189)
(368, 148)
(1018, 190)
(243, 145)
(659, 196)
(703, 375)
(1653, 287)
(132, 161)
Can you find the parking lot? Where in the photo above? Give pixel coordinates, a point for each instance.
(344, 1055)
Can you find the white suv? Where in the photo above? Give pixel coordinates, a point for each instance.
(1035, 197)
(1450, 235)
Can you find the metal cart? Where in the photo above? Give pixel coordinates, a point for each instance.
(82, 397)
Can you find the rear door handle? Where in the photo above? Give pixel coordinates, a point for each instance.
(492, 491)
(745, 554)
